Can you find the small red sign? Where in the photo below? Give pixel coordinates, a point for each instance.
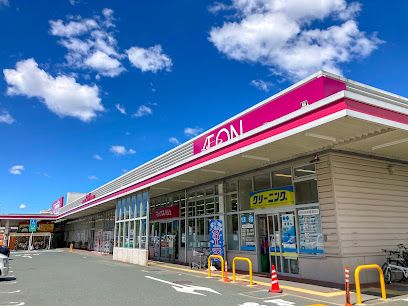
(88, 198)
(166, 212)
(57, 205)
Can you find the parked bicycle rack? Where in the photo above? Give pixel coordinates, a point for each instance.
(249, 265)
(357, 280)
(222, 264)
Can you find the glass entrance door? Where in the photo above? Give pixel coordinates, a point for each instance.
(168, 238)
(274, 241)
(283, 242)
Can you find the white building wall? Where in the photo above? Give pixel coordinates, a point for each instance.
(371, 198)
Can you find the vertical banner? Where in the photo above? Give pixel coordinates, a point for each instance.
(216, 237)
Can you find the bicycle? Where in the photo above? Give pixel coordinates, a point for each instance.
(395, 268)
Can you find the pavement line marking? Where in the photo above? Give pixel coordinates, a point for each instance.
(315, 300)
(16, 291)
(302, 290)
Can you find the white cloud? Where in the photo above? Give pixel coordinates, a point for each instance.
(16, 169)
(152, 59)
(189, 131)
(90, 43)
(72, 28)
(61, 94)
(93, 177)
(174, 140)
(284, 35)
(5, 117)
(104, 64)
(121, 109)
(121, 150)
(22, 206)
(261, 85)
(143, 110)
(97, 157)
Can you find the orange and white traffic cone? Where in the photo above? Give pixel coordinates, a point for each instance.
(226, 279)
(347, 285)
(274, 282)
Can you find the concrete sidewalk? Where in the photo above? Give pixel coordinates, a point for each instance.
(326, 294)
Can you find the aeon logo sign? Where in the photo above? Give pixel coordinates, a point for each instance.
(222, 135)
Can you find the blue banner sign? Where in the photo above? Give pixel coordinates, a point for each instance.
(216, 237)
(33, 226)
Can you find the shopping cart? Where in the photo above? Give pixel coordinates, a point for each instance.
(199, 260)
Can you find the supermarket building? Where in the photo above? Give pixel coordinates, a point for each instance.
(312, 179)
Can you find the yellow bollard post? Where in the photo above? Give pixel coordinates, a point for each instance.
(250, 269)
(357, 280)
(71, 247)
(209, 265)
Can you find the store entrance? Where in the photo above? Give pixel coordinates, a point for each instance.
(283, 242)
(166, 240)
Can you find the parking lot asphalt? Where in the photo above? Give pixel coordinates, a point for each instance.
(58, 277)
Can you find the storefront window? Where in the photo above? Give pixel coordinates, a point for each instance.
(131, 234)
(182, 205)
(306, 192)
(232, 232)
(306, 170)
(131, 227)
(245, 189)
(143, 233)
(137, 233)
(129, 204)
(201, 237)
(144, 204)
(191, 233)
(191, 208)
(282, 178)
(183, 233)
(231, 186)
(262, 181)
(231, 202)
(125, 209)
(138, 204)
(200, 207)
(210, 206)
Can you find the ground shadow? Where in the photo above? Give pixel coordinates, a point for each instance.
(7, 279)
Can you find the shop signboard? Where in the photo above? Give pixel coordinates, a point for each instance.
(274, 197)
(23, 227)
(45, 227)
(88, 197)
(274, 109)
(216, 237)
(33, 225)
(165, 213)
(310, 231)
(247, 232)
(288, 233)
(57, 205)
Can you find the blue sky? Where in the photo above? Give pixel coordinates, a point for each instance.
(90, 89)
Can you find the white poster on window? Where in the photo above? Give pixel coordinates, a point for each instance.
(310, 231)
